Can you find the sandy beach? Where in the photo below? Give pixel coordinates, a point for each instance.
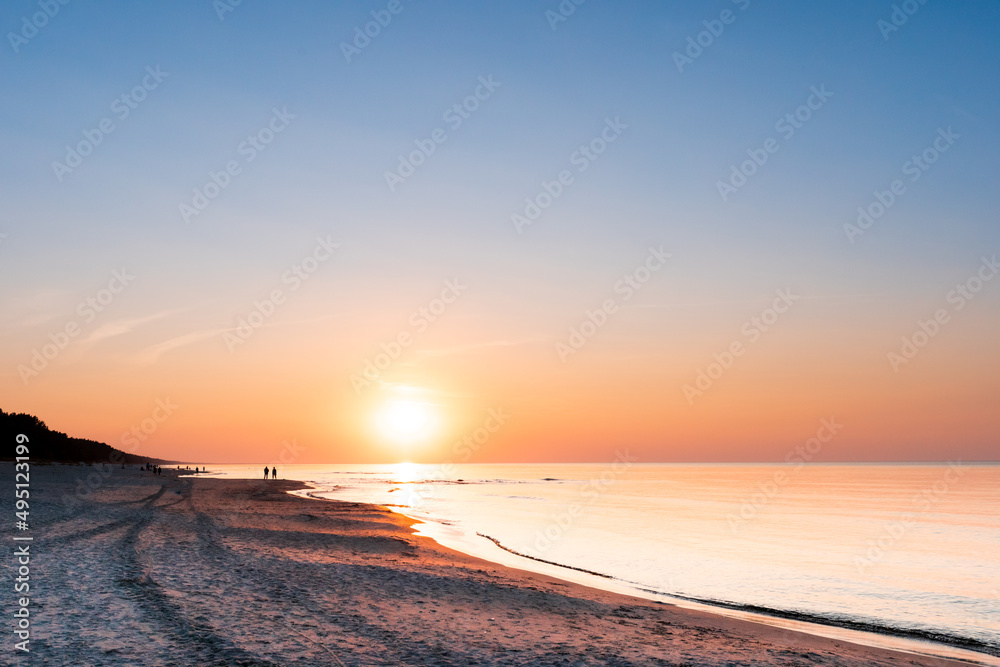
(185, 570)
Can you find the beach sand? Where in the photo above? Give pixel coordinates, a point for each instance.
(184, 570)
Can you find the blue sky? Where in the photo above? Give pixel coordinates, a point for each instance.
(656, 184)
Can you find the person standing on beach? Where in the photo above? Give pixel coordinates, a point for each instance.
(274, 472)
(265, 472)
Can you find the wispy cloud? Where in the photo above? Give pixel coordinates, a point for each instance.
(473, 347)
(150, 355)
(121, 327)
(765, 299)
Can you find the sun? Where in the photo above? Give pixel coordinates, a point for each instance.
(407, 422)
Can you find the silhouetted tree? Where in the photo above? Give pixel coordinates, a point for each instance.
(48, 445)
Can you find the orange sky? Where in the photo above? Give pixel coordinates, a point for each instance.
(624, 388)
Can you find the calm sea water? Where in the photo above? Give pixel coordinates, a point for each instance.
(899, 548)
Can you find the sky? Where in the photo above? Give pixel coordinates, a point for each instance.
(503, 231)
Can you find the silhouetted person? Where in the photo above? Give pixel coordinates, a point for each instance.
(274, 472)
(266, 470)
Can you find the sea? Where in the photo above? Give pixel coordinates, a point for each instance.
(897, 556)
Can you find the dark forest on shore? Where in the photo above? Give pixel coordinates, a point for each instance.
(48, 445)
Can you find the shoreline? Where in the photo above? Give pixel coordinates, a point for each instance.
(925, 636)
(916, 641)
(184, 569)
(855, 630)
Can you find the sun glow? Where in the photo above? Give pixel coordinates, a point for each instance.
(407, 422)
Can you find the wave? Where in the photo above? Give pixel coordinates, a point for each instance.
(940, 637)
(542, 560)
(448, 481)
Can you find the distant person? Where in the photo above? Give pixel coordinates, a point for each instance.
(274, 472)
(266, 470)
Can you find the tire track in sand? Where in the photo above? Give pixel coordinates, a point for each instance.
(99, 530)
(204, 645)
(390, 645)
(210, 545)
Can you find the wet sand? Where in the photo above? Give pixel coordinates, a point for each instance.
(186, 570)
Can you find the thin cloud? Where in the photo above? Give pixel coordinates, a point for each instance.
(763, 299)
(122, 327)
(150, 355)
(471, 347)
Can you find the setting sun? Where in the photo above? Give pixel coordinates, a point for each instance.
(407, 422)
